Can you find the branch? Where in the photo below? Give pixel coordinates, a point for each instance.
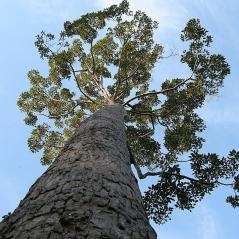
(132, 161)
(122, 92)
(118, 83)
(92, 56)
(159, 92)
(183, 161)
(149, 113)
(142, 176)
(54, 146)
(140, 136)
(82, 70)
(50, 116)
(165, 90)
(170, 55)
(124, 80)
(99, 83)
(100, 86)
(83, 93)
(116, 97)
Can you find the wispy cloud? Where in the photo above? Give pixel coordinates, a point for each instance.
(207, 223)
(50, 8)
(221, 110)
(220, 115)
(168, 13)
(200, 224)
(171, 15)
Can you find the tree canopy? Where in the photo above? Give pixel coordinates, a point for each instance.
(109, 55)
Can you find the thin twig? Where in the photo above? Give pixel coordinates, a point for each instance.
(50, 116)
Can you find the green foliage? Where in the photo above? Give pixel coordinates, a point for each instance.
(109, 55)
(174, 190)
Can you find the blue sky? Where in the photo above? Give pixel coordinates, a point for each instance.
(22, 20)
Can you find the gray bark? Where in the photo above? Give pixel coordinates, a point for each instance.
(89, 192)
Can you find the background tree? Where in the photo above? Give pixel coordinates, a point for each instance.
(110, 55)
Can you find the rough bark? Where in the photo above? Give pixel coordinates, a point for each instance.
(89, 192)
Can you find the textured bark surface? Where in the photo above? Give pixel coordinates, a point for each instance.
(89, 192)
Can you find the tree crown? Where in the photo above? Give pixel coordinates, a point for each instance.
(110, 55)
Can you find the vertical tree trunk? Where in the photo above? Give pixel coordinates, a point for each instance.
(89, 192)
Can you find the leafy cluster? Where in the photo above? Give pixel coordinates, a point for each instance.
(109, 56)
(174, 189)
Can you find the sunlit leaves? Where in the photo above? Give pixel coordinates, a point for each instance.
(41, 45)
(65, 94)
(177, 112)
(50, 141)
(52, 146)
(105, 49)
(38, 137)
(60, 66)
(213, 68)
(30, 119)
(77, 48)
(196, 33)
(88, 25)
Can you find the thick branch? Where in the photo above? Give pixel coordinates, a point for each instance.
(78, 85)
(150, 112)
(82, 70)
(92, 56)
(100, 86)
(99, 83)
(165, 90)
(119, 80)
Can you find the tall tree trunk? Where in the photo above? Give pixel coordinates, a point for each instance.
(88, 192)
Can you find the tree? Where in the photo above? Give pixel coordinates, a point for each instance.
(110, 55)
